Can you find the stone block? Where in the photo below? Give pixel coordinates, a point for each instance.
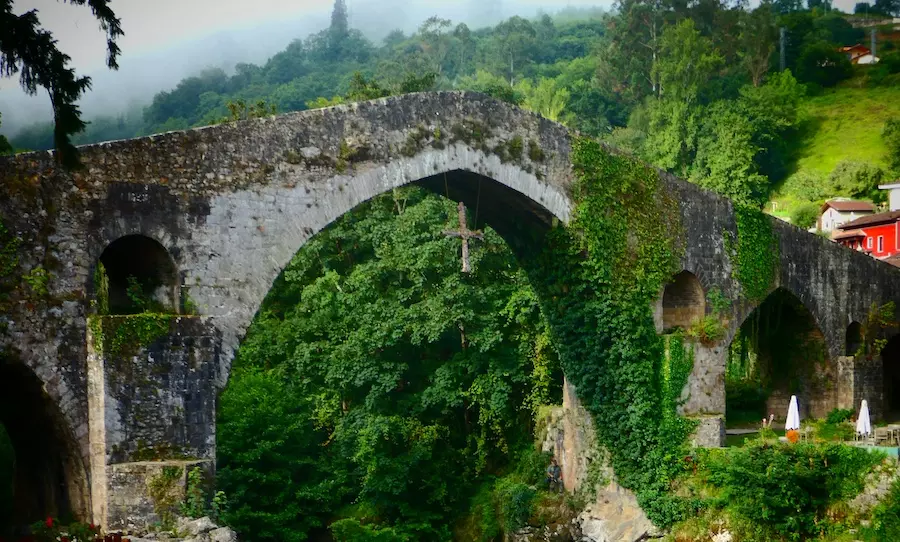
(144, 494)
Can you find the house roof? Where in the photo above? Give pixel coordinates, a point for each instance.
(871, 220)
(858, 47)
(847, 234)
(848, 206)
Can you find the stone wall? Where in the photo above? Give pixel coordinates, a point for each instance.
(144, 495)
(150, 408)
(611, 511)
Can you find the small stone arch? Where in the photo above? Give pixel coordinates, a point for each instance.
(683, 301)
(140, 275)
(779, 350)
(890, 381)
(853, 338)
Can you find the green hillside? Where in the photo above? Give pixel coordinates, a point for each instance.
(845, 123)
(840, 149)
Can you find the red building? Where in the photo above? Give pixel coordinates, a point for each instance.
(878, 234)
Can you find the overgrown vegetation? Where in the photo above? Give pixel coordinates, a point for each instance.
(380, 386)
(596, 288)
(767, 490)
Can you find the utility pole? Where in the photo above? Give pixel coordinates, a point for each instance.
(782, 42)
(873, 43)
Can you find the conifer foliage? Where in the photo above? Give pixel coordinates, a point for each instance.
(31, 51)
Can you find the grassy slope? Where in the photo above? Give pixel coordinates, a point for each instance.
(846, 123)
(842, 123)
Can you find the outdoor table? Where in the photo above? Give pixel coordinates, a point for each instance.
(882, 434)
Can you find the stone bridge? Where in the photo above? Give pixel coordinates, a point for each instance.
(96, 406)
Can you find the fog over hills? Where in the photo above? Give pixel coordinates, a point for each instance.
(160, 67)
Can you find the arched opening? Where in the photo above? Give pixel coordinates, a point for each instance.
(890, 359)
(141, 276)
(778, 351)
(41, 473)
(683, 301)
(380, 297)
(853, 339)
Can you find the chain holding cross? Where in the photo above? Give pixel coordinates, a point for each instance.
(465, 234)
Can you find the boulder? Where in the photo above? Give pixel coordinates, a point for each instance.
(615, 517)
(223, 534)
(193, 527)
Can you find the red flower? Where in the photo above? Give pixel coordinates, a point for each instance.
(49, 522)
(64, 539)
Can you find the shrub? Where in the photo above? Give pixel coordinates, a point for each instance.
(822, 64)
(351, 530)
(857, 180)
(516, 500)
(839, 415)
(708, 330)
(891, 135)
(886, 515)
(805, 215)
(786, 489)
(807, 185)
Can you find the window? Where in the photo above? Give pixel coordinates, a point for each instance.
(880, 243)
(868, 242)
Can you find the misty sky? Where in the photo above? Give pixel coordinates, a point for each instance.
(150, 24)
(167, 40)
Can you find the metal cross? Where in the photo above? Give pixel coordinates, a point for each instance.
(465, 234)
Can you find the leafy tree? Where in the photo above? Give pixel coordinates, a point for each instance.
(339, 30)
(686, 63)
(773, 110)
(725, 156)
(888, 7)
(547, 98)
(891, 136)
(5, 147)
(822, 64)
(758, 37)
(511, 45)
(835, 28)
(628, 60)
(435, 42)
(399, 380)
(856, 180)
(787, 6)
(27, 48)
(805, 215)
(492, 85)
(294, 472)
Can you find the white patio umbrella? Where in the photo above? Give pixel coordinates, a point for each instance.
(793, 416)
(863, 424)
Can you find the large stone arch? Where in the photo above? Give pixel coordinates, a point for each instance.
(513, 201)
(51, 478)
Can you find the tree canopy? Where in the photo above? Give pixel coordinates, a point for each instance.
(30, 51)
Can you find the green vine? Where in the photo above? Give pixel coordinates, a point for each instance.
(124, 336)
(101, 289)
(163, 490)
(598, 279)
(9, 258)
(755, 254)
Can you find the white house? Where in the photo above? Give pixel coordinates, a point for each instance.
(836, 212)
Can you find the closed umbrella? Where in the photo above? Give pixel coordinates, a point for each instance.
(863, 424)
(793, 417)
